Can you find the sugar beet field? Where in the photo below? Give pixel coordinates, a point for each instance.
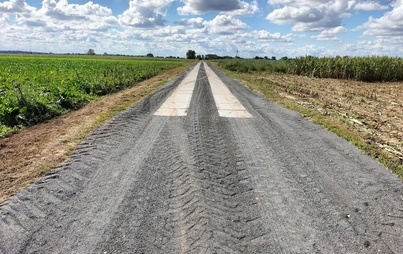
(37, 88)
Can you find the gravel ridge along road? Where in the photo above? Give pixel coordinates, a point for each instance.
(229, 172)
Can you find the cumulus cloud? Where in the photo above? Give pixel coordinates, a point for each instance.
(58, 25)
(223, 24)
(13, 6)
(264, 35)
(4, 19)
(290, 14)
(247, 9)
(202, 6)
(310, 15)
(55, 15)
(145, 13)
(369, 6)
(330, 34)
(389, 25)
(197, 23)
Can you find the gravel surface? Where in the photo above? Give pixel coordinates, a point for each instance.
(201, 183)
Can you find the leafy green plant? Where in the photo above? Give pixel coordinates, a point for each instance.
(37, 88)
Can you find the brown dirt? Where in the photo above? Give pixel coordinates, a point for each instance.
(372, 110)
(28, 154)
(375, 109)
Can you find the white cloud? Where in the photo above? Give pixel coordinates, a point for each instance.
(264, 35)
(310, 15)
(145, 13)
(13, 6)
(203, 6)
(144, 27)
(389, 25)
(62, 10)
(196, 23)
(53, 16)
(388, 31)
(247, 9)
(369, 6)
(290, 14)
(330, 34)
(223, 24)
(368, 47)
(56, 26)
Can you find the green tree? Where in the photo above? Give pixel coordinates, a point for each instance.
(191, 54)
(91, 52)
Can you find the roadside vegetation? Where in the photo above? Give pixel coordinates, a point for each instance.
(252, 65)
(37, 88)
(367, 114)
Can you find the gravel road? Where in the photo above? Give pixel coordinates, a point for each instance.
(210, 174)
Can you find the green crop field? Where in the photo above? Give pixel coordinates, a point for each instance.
(37, 88)
(368, 69)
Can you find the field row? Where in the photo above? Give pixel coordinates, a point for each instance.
(33, 89)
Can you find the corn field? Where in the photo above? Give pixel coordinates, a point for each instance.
(368, 69)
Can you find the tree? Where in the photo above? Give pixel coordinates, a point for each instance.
(191, 54)
(91, 52)
(150, 55)
(199, 57)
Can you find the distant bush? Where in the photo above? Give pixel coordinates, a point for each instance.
(253, 65)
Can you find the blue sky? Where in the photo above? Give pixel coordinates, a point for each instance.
(224, 27)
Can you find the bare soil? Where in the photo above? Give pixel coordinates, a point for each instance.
(29, 153)
(374, 111)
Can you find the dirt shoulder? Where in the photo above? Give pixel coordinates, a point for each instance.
(30, 153)
(369, 115)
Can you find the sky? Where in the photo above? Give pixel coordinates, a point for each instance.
(248, 28)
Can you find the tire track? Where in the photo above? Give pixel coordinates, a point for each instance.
(192, 193)
(323, 192)
(228, 221)
(148, 219)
